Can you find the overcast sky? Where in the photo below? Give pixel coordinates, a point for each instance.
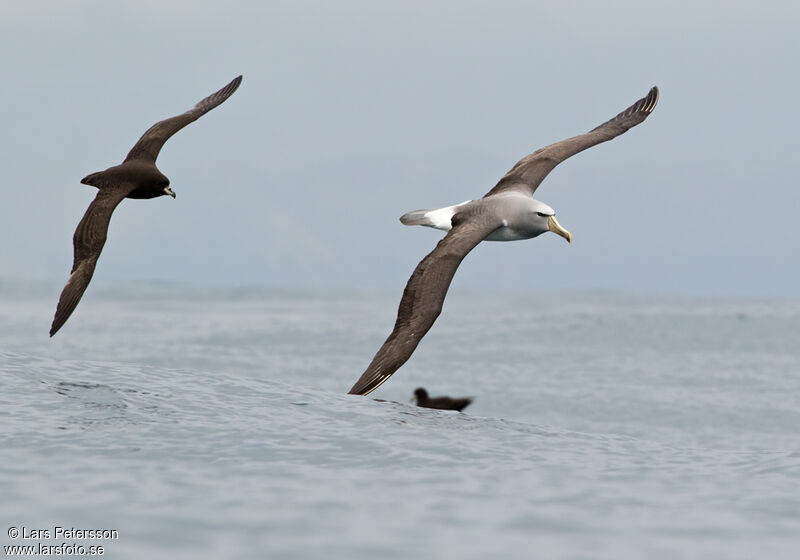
(352, 113)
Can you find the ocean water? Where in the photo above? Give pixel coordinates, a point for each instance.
(214, 424)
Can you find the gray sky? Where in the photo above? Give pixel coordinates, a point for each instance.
(352, 113)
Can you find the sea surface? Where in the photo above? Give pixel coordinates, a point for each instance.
(213, 423)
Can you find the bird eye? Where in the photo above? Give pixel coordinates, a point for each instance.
(541, 214)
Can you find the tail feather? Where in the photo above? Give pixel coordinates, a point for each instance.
(439, 218)
(95, 179)
(416, 218)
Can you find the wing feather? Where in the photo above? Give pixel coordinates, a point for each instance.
(151, 142)
(423, 298)
(531, 170)
(88, 241)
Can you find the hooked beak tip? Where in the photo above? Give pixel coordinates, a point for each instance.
(555, 227)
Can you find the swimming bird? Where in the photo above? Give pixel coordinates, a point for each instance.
(136, 177)
(442, 403)
(508, 212)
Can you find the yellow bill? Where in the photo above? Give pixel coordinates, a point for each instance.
(555, 227)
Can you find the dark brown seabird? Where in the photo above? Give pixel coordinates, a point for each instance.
(136, 177)
(442, 403)
(506, 213)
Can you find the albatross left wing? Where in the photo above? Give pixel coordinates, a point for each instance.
(531, 170)
(423, 298)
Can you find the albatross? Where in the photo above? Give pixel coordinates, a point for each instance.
(508, 212)
(136, 177)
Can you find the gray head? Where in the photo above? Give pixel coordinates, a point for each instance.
(523, 218)
(544, 217)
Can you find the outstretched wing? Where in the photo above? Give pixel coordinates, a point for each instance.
(531, 170)
(423, 298)
(88, 241)
(150, 143)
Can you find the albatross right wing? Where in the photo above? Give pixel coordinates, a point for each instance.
(531, 170)
(88, 241)
(423, 298)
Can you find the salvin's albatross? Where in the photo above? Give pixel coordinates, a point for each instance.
(506, 213)
(136, 177)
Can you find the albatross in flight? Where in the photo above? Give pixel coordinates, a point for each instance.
(136, 177)
(508, 212)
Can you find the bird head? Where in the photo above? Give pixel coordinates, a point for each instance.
(545, 217)
(164, 184)
(420, 394)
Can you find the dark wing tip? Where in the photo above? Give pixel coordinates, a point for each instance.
(634, 114)
(644, 106)
(203, 106)
(58, 322)
(234, 83)
(366, 386)
(219, 96)
(231, 86)
(649, 102)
